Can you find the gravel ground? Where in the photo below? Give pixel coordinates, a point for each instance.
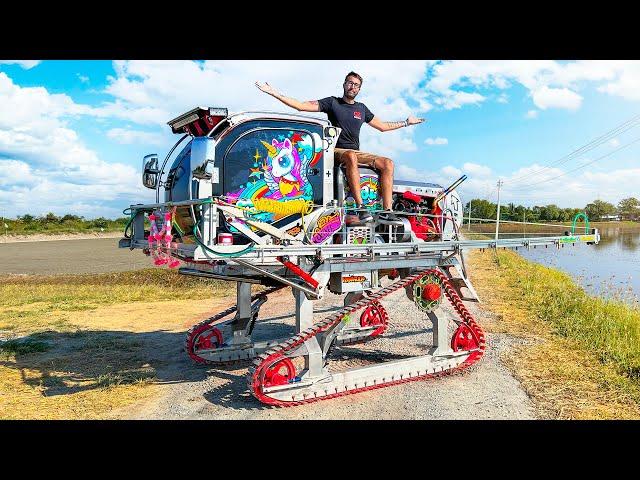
(487, 390)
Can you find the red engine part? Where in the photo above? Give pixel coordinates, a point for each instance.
(424, 228)
(414, 197)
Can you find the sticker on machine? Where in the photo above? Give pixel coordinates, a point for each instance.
(354, 279)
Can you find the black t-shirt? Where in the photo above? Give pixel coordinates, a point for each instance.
(348, 117)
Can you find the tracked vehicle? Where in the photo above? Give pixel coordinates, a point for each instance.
(255, 198)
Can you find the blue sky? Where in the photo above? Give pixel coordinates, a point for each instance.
(73, 133)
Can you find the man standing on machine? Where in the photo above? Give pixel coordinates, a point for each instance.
(349, 115)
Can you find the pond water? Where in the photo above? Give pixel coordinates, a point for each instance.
(610, 269)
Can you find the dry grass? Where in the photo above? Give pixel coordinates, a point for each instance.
(26, 299)
(83, 346)
(581, 355)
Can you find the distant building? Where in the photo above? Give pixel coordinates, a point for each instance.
(610, 218)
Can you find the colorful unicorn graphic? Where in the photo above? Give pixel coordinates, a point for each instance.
(283, 172)
(278, 184)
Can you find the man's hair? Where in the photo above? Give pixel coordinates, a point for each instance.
(353, 74)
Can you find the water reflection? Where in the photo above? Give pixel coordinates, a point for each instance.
(610, 269)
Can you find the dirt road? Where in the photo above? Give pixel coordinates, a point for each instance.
(485, 391)
(189, 391)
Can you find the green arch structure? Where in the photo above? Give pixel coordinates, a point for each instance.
(586, 223)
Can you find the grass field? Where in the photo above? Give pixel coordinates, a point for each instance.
(581, 355)
(82, 346)
(554, 228)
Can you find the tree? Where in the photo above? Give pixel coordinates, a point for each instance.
(534, 213)
(629, 208)
(70, 218)
(598, 208)
(26, 218)
(100, 222)
(483, 209)
(550, 212)
(50, 218)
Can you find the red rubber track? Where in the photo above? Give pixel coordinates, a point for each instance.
(197, 330)
(263, 362)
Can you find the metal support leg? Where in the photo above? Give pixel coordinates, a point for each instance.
(352, 297)
(440, 334)
(313, 362)
(243, 317)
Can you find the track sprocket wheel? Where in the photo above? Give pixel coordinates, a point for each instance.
(427, 293)
(375, 315)
(280, 372)
(464, 339)
(204, 337)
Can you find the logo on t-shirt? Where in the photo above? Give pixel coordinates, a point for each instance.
(357, 115)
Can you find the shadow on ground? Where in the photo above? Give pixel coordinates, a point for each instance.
(66, 363)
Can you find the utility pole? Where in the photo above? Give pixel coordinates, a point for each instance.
(498, 214)
(469, 215)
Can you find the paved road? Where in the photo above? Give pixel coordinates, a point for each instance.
(97, 255)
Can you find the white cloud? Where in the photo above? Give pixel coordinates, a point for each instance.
(172, 87)
(15, 172)
(532, 114)
(38, 143)
(535, 184)
(47, 163)
(626, 82)
(614, 142)
(26, 64)
(83, 78)
(436, 141)
(451, 171)
(405, 172)
(551, 186)
(387, 144)
(128, 136)
(551, 84)
(476, 170)
(545, 97)
(456, 99)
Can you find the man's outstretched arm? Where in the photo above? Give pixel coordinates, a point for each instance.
(387, 126)
(310, 106)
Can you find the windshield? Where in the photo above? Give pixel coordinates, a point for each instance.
(170, 160)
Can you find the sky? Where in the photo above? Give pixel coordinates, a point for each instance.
(73, 133)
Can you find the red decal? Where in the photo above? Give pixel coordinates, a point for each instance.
(357, 115)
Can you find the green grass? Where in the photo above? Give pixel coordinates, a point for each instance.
(608, 328)
(22, 347)
(52, 224)
(26, 300)
(79, 345)
(138, 376)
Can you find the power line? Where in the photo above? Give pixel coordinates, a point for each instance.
(625, 126)
(583, 165)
